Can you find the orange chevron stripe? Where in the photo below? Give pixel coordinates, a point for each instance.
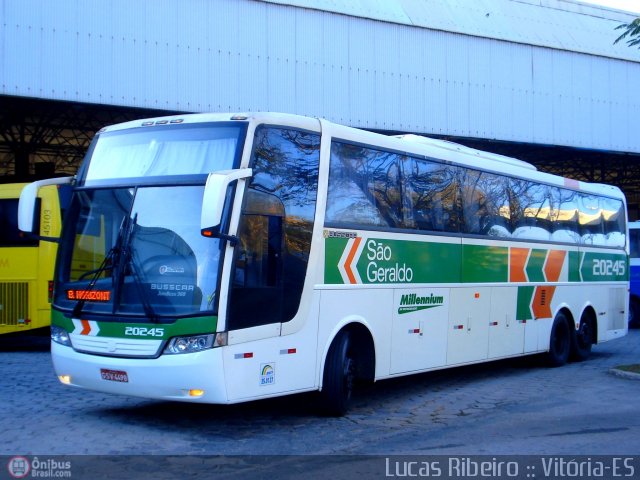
(553, 267)
(517, 264)
(347, 263)
(541, 304)
(86, 327)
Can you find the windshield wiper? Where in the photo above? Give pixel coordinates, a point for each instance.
(133, 265)
(103, 267)
(112, 256)
(128, 260)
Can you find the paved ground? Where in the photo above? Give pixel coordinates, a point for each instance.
(506, 407)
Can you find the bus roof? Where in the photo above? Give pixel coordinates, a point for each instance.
(411, 143)
(446, 144)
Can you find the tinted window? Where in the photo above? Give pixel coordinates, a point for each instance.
(10, 236)
(376, 188)
(373, 188)
(364, 187)
(530, 210)
(590, 220)
(433, 193)
(485, 203)
(275, 228)
(564, 215)
(614, 225)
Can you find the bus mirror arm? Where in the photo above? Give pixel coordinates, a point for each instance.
(232, 239)
(42, 238)
(27, 204)
(213, 200)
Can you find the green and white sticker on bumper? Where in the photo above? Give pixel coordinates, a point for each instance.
(121, 338)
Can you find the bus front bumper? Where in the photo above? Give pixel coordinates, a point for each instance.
(191, 377)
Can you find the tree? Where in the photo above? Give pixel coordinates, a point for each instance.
(631, 34)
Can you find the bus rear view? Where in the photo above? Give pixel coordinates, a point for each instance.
(27, 261)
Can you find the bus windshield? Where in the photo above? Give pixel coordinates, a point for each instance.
(151, 154)
(133, 245)
(138, 251)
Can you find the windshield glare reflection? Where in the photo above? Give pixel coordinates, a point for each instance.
(162, 266)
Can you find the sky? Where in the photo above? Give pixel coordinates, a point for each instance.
(629, 5)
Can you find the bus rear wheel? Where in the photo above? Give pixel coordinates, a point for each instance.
(559, 341)
(339, 373)
(583, 339)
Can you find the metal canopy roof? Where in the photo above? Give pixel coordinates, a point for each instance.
(559, 24)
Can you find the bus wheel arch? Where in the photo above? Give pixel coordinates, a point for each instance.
(585, 335)
(560, 339)
(349, 358)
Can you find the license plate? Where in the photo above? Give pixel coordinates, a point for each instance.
(114, 375)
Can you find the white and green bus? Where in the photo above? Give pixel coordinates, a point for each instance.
(223, 258)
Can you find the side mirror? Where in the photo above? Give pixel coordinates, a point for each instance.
(214, 196)
(27, 204)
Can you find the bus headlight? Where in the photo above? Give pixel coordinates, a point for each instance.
(189, 344)
(60, 335)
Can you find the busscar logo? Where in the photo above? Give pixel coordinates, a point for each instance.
(413, 302)
(335, 234)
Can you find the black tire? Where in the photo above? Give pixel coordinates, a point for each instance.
(559, 341)
(634, 313)
(583, 339)
(339, 373)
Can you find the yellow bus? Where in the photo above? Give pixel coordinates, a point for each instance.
(27, 261)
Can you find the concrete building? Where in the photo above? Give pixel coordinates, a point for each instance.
(537, 79)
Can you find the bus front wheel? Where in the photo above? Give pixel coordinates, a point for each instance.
(339, 373)
(559, 341)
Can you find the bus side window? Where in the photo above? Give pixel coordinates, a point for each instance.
(591, 221)
(257, 293)
(531, 209)
(433, 193)
(10, 235)
(364, 188)
(613, 215)
(484, 201)
(276, 223)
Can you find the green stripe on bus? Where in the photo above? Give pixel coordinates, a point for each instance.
(398, 261)
(483, 264)
(334, 247)
(598, 267)
(575, 259)
(370, 260)
(59, 320)
(536, 264)
(523, 309)
(182, 326)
